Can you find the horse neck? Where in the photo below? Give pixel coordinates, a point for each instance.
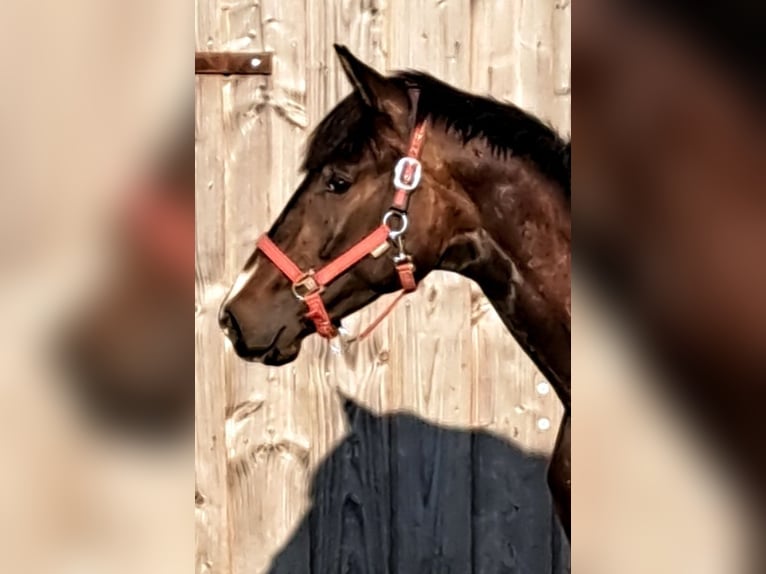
(520, 257)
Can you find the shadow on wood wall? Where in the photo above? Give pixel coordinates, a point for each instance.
(399, 495)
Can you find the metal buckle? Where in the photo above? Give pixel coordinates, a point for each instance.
(403, 164)
(393, 234)
(308, 282)
(402, 257)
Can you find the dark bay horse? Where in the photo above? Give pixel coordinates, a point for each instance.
(482, 189)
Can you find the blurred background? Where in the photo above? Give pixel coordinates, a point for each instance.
(96, 287)
(669, 357)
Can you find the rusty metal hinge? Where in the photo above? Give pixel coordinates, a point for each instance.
(233, 63)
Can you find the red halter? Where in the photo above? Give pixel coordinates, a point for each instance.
(308, 286)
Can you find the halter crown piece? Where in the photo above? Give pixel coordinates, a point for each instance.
(308, 285)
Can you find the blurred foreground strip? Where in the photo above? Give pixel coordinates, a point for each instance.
(92, 94)
(651, 494)
(670, 209)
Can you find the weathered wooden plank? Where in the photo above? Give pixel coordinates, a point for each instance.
(427, 356)
(211, 499)
(562, 65)
(207, 24)
(535, 91)
(233, 63)
(495, 47)
(211, 514)
(271, 449)
(433, 36)
(350, 522)
(253, 446)
(513, 528)
(268, 450)
(253, 453)
(431, 502)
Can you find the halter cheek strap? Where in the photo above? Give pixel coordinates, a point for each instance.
(308, 286)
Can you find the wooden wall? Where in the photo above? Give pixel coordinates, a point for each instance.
(423, 448)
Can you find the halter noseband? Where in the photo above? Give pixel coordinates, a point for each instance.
(308, 286)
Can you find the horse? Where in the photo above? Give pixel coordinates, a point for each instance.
(481, 188)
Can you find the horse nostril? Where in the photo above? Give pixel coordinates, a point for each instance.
(228, 323)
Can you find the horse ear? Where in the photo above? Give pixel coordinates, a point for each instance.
(377, 91)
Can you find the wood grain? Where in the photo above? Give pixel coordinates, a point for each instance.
(420, 449)
(211, 508)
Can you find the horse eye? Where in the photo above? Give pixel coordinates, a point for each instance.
(338, 184)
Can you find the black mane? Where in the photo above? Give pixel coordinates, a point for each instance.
(507, 129)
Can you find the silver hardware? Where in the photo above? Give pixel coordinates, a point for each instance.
(401, 165)
(308, 283)
(401, 256)
(380, 249)
(394, 233)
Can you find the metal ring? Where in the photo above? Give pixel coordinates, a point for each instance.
(394, 233)
(307, 282)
